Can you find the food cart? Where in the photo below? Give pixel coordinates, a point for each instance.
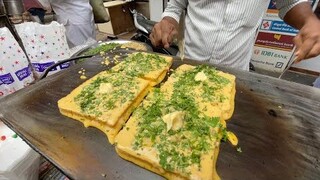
(275, 120)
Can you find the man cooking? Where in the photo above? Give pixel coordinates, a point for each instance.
(77, 18)
(223, 31)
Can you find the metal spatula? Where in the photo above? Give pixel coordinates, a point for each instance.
(288, 66)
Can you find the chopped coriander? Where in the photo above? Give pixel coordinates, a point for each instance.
(92, 102)
(137, 65)
(184, 147)
(224, 134)
(101, 48)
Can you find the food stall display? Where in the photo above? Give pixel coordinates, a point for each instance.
(107, 100)
(275, 121)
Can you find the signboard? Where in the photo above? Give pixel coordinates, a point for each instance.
(275, 41)
(265, 58)
(274, 47)
(277, 26)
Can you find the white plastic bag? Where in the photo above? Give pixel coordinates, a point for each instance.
(45, 45)
(15, 71)
(18, 160)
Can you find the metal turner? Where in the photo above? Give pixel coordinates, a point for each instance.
(292, 60)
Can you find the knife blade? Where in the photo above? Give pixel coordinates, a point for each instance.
(288, 66)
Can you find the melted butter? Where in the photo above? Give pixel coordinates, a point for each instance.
(174, 120)
(200, 76)
(105, 88)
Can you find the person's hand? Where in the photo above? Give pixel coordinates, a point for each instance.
(163, 32)
(308, 40)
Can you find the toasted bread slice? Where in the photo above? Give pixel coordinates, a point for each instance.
(105, 101)
(214, 89)
(177, 129)
(151, 67)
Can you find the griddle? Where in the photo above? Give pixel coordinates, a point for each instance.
(277, 123)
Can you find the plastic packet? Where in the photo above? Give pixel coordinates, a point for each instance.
(45, 45)
(15, 70)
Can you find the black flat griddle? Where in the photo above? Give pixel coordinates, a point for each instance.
(277, 123)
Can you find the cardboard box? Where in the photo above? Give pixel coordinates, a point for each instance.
(120, 18)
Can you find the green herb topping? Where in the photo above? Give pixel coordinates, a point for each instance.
(101, 48)
(184, 147)
(92, 101)
(139, 64)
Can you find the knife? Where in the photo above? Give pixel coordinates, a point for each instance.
(288, 66)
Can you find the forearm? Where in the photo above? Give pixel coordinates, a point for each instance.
(175, 8)
(299, 15)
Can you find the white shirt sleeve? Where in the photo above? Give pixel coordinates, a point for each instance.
(285, 6)
(174, 9)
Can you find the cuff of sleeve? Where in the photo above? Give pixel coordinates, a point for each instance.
(175, 16)
(285, 8)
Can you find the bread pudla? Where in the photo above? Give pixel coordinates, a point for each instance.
(176, 130)
(151, 67)
(105, 101)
